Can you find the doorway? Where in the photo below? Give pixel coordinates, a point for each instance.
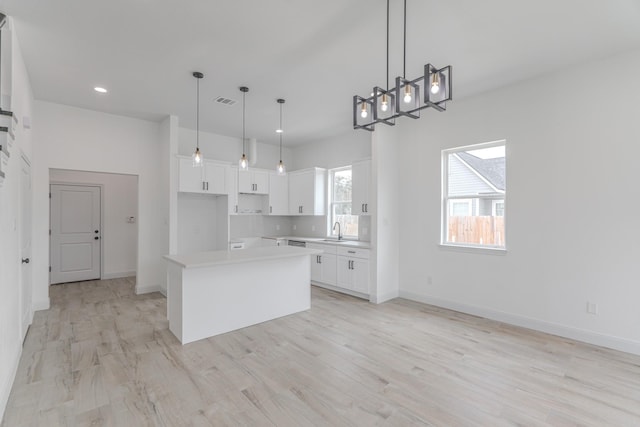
(75, 227)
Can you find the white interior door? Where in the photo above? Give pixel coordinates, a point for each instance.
(75, 233)
(25, 248)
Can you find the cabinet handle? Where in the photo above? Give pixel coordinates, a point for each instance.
(207, 185)
(319, 259)
(366, 207)
(236, 208)
(270, 209)
(362, 208)
(203, 186)
(351, 252)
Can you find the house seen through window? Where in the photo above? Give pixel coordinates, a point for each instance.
(340, 203)
(474, 179)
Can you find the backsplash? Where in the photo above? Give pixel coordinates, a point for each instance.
(259, 225)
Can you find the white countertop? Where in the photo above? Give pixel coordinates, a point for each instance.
(326, 241)
(213, 258)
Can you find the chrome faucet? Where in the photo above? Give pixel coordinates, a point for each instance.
(339, 230)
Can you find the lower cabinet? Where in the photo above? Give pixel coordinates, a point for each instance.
(342, 268)
(353, 269)
(323, 266)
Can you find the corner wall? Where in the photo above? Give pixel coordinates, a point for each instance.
(571, 209)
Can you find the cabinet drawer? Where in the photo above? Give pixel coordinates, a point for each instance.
(353, 252)
(328, 249)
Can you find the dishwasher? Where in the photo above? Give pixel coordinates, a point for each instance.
(298, 243)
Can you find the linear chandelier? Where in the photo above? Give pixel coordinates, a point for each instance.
(408, 97)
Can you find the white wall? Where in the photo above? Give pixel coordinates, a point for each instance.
(78, 139)
(229, 149)
(119, 201)
(334, 152)
(11, 220)
(572, 206)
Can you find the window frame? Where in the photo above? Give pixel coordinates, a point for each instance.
(446, 199)
(331, 203)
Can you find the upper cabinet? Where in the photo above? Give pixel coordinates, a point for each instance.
(210, 178)
(307, 191)
(361, 187)
(253, 181)
(278, 200)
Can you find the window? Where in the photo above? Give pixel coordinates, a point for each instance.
(474, 194)
(340, 203)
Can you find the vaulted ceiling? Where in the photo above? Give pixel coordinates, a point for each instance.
(315, 54)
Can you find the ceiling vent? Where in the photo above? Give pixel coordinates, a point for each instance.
(224, 101)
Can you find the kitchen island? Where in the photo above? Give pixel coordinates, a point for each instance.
(210, 293)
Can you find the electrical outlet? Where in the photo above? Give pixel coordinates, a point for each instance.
(592, 308)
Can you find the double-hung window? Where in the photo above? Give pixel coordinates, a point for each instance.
(340, 191)
(474, 194)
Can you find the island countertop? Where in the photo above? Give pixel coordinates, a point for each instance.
(213, 258)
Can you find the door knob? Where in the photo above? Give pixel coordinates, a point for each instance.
(25, 260)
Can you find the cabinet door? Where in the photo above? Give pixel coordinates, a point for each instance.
(214, 178)
(360, 275)
(232, 190)
(245, 182)
(361, 178)
(190, 178)
(278, 194)
(344, 273)
(260, 182)
(316, 268)
(296, 193)
(328, 266)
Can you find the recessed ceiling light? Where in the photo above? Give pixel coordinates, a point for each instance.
(100, 89)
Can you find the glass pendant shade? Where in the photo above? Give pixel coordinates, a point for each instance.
(197, 158)
(281, 169)
(243, 163)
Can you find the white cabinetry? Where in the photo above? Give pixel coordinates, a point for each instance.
(278, 200)
(209, 178)
(353, 269)
(253, 181)
(232, 189)
(361, 179)
(323, 266)
(307, 192)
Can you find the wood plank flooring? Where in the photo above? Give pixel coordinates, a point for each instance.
(102, 356)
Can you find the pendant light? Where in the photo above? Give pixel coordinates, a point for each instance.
(244, 162)
(197, 155)
(281, 168)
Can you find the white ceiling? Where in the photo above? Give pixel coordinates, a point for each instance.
(315, 54)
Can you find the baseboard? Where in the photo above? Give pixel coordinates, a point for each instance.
(379, 299)
(6, 388)
(107, 276)
(590, 337)
(147, 289)
(41, 305)
(341, 290)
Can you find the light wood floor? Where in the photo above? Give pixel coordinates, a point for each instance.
(104, 356)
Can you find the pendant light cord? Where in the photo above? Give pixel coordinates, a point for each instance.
(387, 45)
(281, 131)
(404, 53)
(244, 94)
(197, 113)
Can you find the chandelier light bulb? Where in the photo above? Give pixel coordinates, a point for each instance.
(197, 157)
(281, 169)
(435, 84)
(407, 94)
(364, 113)
(385, 103)
(244, 163)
